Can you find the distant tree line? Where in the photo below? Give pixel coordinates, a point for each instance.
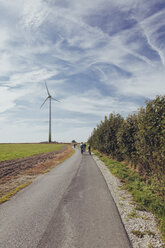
(139, 139)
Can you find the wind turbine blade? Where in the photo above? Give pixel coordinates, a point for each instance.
(44, 101)
(47, 89)
(55, 99)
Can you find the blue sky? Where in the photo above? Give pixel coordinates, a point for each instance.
(97, 57)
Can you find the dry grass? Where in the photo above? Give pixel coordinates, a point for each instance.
(7, 196)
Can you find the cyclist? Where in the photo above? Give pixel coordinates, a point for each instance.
(89, 149)
(82, 148)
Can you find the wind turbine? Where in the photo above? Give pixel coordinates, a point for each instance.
(50, 99)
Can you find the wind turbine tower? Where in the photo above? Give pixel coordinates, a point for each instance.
(50, 99)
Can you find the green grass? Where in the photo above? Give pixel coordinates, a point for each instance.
(13, 151)
(142, 192)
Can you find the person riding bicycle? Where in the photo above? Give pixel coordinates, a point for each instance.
(89, 149)
(82, 148)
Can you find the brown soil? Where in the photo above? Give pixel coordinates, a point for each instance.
(18, 171)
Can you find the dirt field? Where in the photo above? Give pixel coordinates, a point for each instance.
(14, 173)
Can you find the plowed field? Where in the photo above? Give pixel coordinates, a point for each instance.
(16, 172)
(13, 167)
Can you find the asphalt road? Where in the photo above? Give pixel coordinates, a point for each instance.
(69, 207)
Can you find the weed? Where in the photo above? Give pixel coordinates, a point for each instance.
(133, 214)
(138, 233)
(150, 233)
(144, 217)
(123, 198)
(121, 204)
(140, 208)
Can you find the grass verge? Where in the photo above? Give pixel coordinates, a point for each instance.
(8, 196)
(142, 193)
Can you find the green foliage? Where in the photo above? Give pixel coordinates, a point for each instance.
(151, 136)
(13, 151)
(139, 140)
(127, 139)
(104, 138)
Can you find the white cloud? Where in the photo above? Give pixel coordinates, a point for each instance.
(8, 97)
(148, 84)
(35, 76)
(93, 103)
(34, 13)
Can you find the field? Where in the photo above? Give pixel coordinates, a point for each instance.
(20, 164)
(14, 151)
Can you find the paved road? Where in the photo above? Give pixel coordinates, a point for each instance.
(69, 207)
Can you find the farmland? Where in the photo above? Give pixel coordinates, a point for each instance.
(14, 151)
(20, 164)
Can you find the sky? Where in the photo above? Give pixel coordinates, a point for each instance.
(97, 57)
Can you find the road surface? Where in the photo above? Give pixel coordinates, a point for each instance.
(69, 207)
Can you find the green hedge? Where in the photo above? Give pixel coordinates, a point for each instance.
(139, 139)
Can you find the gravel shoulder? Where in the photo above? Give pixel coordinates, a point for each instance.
(141, 226)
